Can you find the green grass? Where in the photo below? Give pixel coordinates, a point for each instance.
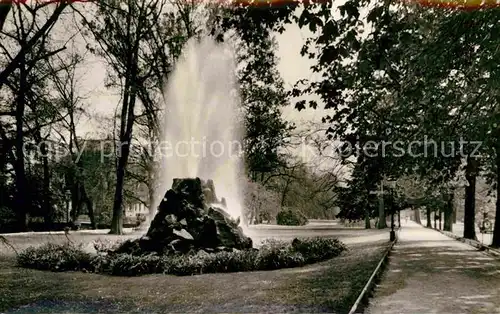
(330, 286)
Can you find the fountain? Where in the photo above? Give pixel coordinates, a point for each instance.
(201, 134)
(186, 222)
(200, 140)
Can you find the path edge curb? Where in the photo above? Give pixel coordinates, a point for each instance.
(473, 243)
(365, 294)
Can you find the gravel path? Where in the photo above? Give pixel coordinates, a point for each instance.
(431, 273)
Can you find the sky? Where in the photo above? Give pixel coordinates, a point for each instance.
(294, 67)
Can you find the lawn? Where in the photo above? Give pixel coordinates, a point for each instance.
(330, 286)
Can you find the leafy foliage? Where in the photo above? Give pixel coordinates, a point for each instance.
(260, 203)
(402, 74)
(272, 255)
(55, 257)
(317, 249)
(263, 97)
(261, 87)
(290, 217)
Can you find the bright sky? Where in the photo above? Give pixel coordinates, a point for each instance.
(294, 67)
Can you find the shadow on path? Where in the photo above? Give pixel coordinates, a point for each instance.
(431, 273)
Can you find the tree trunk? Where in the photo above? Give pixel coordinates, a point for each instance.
(417, 216)
(117, 221)
(152, 209)
(47, 203)
(21, 204)
(152, 190)
(399, 219)
(47, 207)
(367, 219)
(470, 198)
(428, 214)
(90, 206)
(76, 203)
(126, 127)
(448, 222)
(21, 197)
(448, 214)
(440, 220)
(381, 214)
(251, 218)
(496, 228)
(285, 192)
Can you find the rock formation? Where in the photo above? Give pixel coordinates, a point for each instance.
(190, 217)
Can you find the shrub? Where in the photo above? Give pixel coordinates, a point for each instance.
(7, 218)
(55, 257)
(273, 254)
(318, 249)
(291, 218)
(270, 258)
(183, 265)
(101, 263)
(104, 246)
(274, 243)
(130, 265)
(103, 219)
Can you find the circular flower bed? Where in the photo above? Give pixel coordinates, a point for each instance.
(272, 255)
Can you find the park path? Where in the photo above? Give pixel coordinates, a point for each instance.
(431, 273)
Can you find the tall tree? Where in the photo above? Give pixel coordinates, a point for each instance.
(122, 30)
(408, 78)
(261, 87)
(35, 33)
(461, 78)
(24, 43)
(263, 98)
